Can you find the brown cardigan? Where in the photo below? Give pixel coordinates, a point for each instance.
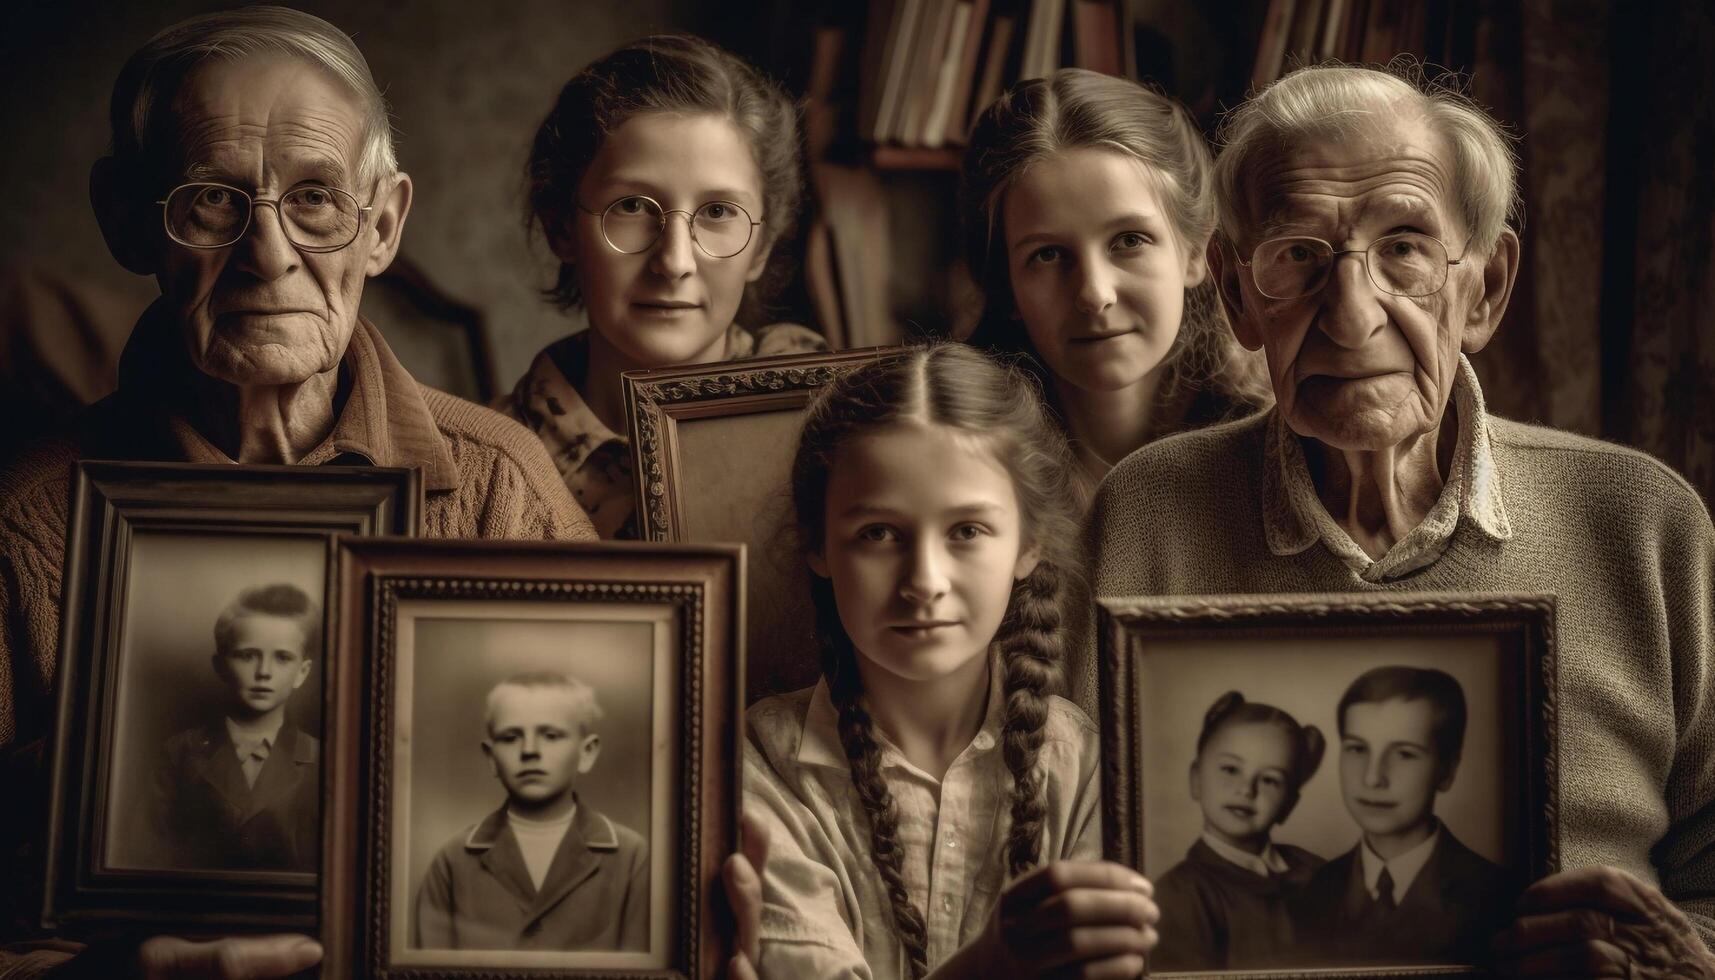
(484, 476)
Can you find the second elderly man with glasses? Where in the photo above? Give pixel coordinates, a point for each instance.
(1366, 251)
(253, 175)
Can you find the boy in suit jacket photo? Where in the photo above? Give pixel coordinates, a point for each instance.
(1408, 891)
(545, 871)
(243, 790)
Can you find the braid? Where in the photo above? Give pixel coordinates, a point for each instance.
(1030, 654)
(857, 736)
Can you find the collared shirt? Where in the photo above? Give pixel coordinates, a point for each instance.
(253, 747)
(538, 840)
(593, 460)
(1294, 517)
(1403, 869)
(826, 912)
(1269, 862)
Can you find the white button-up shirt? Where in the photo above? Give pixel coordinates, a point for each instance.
(826, 913)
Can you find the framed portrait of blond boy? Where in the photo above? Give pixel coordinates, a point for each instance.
(186, 786)
(712, 448)
(1330, 785)
(536, 747)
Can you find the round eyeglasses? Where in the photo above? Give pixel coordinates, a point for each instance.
(1407, 264)
(633, 224)
(315, 218)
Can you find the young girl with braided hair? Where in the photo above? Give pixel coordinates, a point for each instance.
(931, 806)
(1225, 905)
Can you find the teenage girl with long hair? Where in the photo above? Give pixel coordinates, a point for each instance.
(1086, 208)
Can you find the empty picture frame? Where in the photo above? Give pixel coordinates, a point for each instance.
(536, 756)
(194, 625)
(1327, 783)
(712, 448)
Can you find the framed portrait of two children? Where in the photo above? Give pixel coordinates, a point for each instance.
(1330, 785)
(186, 772)
(536, 757)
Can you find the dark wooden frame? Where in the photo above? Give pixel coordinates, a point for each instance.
(1127, 628)
(110, 502)
(656, 402)
(705, 582)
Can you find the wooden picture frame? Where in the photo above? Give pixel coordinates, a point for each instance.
(653, 633)
(729, 431)
(156, 552)
(1361, 668)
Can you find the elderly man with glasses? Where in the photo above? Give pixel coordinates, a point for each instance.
(253, 175)
(1367, 250)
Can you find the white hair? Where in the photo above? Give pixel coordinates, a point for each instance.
(580, 697)
(1334, 101)
(154, 72)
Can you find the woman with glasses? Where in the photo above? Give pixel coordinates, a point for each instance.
(661, 179)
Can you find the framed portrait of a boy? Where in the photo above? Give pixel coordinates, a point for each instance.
(537, 754)
(1330, 785)
(712, 448)
(186, 774)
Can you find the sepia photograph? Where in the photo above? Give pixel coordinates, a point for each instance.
(1317, 786)
(549, 737)
(562, 716)
(216, 743)
(186, 780)
(714, 443)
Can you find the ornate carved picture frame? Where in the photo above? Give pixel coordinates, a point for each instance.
(489, 689)
(1275, 764)
(152, 817)
(712, 448)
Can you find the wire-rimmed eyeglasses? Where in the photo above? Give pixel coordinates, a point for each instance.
(1408, 264)
(315, 218)
(634, 223)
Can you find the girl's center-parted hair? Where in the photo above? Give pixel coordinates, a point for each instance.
(1306, 741)
(950, 385)
(1078, 109)
(671, 73)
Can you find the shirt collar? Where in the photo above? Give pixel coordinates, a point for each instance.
(1402, 869)
(384, 418)
(1295, 519)
(819, 745)
(549, 398)
(1269, 862)
(243, 740)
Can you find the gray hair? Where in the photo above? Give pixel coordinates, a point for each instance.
(1334, 101)
(155, 71)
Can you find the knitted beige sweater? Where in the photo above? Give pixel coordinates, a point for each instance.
(484, 476)
(1621, 540)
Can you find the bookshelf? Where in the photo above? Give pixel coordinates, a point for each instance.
(890, 89)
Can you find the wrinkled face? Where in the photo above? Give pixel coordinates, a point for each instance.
(536, 743)
(265, 664)
(1098, 273)
(922, 557)
(672, 302)
(1242, 778)
(260, 312)
(1389, 773)
(1353, 366)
